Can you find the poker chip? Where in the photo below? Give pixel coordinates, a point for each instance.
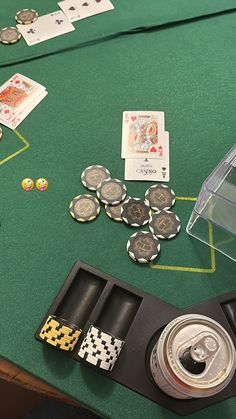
(84, 208)
(114, 211)
(143, 247)
(60, 333)
(160, 197)
(92, 176)
(26, 16)
(1, 133)
(100, 348)
(164, 224)
(135, 212)
(111, 191)
(9, 35)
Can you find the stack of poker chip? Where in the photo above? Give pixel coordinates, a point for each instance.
(11, 35)
(153, 211)
(100, 348)
(60, 333)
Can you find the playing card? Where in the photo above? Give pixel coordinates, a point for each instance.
(157, 169)
(16, 94)
(46, 27)
(80, 9)
(16, 120)
(142, 134)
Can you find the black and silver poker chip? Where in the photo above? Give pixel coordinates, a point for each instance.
(84, 208)
(111, 191)
(160, 197)
(1, 134)
(9, 35)
(135, 212)
(26, 16)
(164, 224)
(114, 212)
(143, 247)
(92, 176)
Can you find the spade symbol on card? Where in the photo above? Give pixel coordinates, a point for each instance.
(163, 172)
(72, 8)
(31, 31)
(97, 1)
(160, 151)
(85, 4)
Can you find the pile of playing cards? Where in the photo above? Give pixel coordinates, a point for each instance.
(145, 146)
(18, 97)
(59, 23)
(46, 27)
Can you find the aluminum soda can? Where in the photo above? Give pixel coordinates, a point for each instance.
(194, 357)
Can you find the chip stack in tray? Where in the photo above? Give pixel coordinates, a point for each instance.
(101, 349)
(143, 246)
(60, 333)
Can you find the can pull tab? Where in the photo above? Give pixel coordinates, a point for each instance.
(204, 348)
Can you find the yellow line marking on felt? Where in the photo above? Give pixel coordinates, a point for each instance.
(210, 270)
(26, 145)
(185, 198)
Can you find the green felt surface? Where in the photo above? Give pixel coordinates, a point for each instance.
(186, 71)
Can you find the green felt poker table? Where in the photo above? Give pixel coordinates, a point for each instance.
(176, 56)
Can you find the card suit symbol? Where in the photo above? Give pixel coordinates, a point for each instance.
(160, 147)
(146, 160)
(97, 1)
(72, 8)
(153, 149)
(85, 4)
(164, 169)
(59, 22)
(31, 31)
(133, 118)
(6, 111)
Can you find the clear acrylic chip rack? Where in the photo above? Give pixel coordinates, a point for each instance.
(213, 220)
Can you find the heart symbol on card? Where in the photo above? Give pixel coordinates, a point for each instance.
(153, 149)
(133, 118)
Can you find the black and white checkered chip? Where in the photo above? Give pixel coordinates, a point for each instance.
(100, 348)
